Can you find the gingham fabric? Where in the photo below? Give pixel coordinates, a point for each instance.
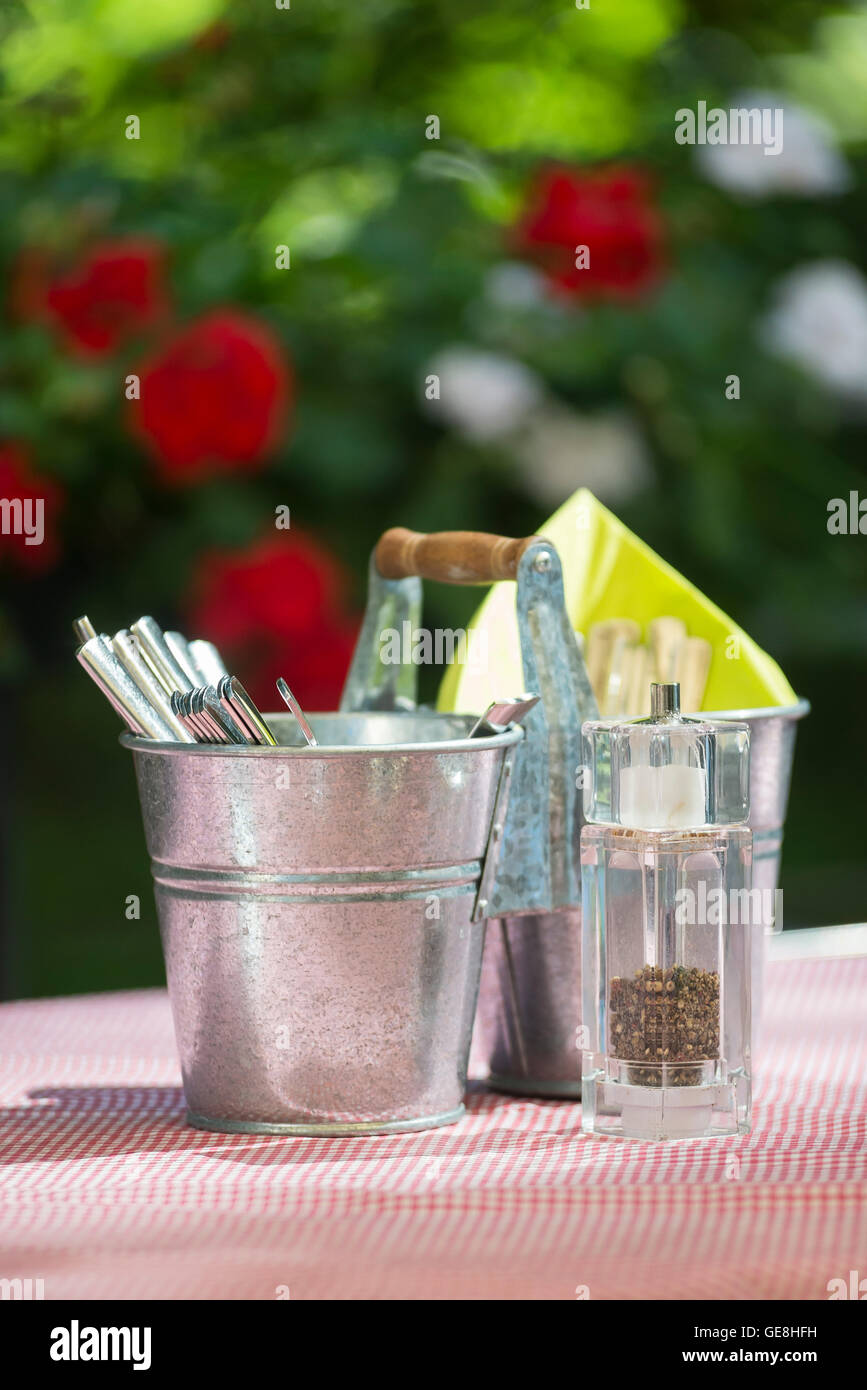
(105, 1193)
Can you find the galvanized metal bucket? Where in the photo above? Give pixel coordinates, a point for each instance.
(321, 919)
(529, 1013)
(532, 977)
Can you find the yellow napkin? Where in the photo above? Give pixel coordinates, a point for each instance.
(609, 573)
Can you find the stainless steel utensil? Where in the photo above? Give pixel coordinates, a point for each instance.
(101, 664)
(210, 714)
(238, 703)
(214, 730)
(208, 662)
(144, 672)
(501, 713)
(180, 650)
(296, 709)
(189, 705)
(179, 710)
(150, 636)
(83, 629)
(204, 733)
(222, 716)
(128, 652)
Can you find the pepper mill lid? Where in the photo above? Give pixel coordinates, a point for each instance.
(666, 772)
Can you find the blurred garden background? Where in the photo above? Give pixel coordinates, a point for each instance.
(252, 210)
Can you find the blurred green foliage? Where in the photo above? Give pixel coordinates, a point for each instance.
(262, 126)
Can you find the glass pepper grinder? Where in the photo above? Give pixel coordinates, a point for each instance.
(665, 863)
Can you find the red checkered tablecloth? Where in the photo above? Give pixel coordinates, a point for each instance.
(105, 1193)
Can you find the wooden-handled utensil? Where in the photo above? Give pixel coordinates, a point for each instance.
(666, 637)
(693, 671)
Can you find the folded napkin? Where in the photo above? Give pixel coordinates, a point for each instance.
(609, 573)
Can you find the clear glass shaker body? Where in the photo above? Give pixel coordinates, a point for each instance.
(666, 982)
(666, 867)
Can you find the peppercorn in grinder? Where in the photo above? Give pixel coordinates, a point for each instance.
(665, 864)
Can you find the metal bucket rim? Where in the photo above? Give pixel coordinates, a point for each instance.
(761, 712)
(330, 750)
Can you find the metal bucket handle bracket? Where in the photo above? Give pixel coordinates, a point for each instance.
(535, 851)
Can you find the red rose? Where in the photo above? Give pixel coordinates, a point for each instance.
(213, 398)
(28, 512)
(276, 609)
(611, 213)
(113, 293)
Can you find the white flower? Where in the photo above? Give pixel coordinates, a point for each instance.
(559, 450)
(819, 320)
(809, 164)
(483, 395)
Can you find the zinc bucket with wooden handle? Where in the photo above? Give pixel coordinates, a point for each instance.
(527, 1014)
(322, 913)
